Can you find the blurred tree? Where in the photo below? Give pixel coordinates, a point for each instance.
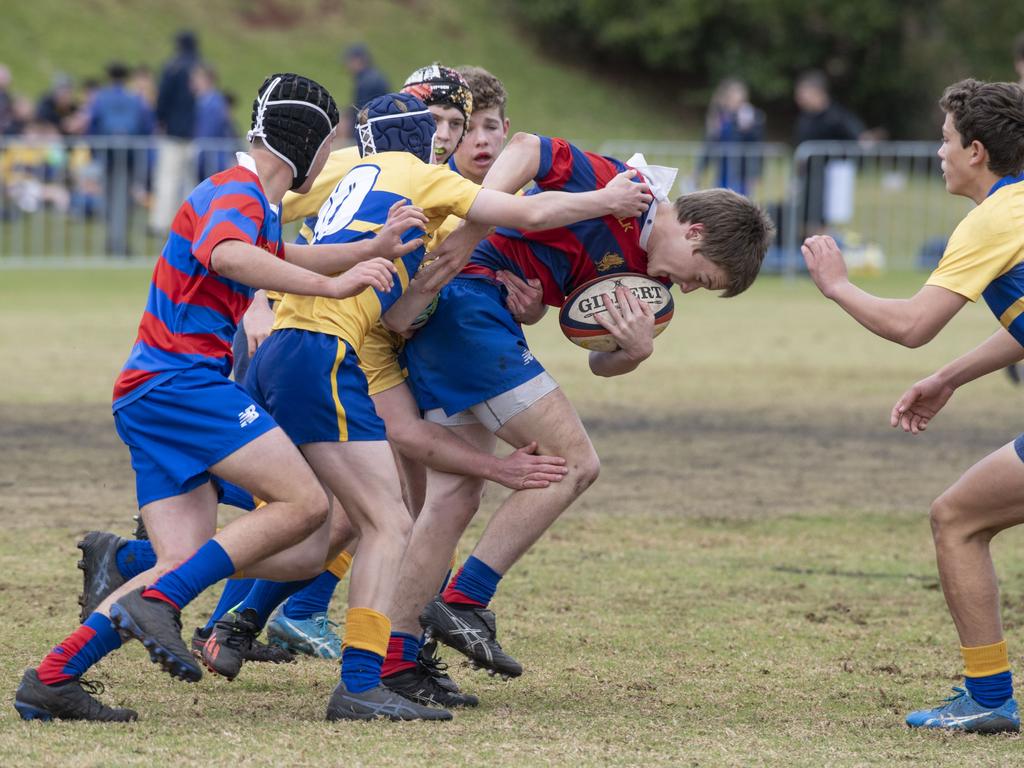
(887, 61)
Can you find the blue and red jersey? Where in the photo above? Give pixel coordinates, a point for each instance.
(192, 312)
(566, 257)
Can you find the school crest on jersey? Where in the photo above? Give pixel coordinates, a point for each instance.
(610, 261)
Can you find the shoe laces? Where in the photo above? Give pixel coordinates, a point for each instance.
(958, 693)
(434, 665)
(323, 624)
(92, 687)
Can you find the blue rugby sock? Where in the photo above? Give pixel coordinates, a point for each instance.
(991, 690)
(134, 557)
(234, 592)
(206, 567)
(265, 596)
(360, 669)
(312, 599)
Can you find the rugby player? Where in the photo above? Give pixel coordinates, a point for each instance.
(472, 370)
(982, 155)
(186, 424)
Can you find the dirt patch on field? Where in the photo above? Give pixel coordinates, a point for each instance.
(65, 466)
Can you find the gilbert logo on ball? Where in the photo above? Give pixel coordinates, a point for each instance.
(582, 305)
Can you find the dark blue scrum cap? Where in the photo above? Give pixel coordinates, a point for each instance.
(396, 122)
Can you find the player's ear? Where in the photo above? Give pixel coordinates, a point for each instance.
(695, 232)
(979, 155)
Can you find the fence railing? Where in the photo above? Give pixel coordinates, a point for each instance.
(96, 200)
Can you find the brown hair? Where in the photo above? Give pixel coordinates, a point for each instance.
(736, 233)
(486, 88)
(993, 114)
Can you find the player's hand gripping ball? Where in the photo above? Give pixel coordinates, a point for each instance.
(577, 315)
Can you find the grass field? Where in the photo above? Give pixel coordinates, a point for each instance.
(750, 581)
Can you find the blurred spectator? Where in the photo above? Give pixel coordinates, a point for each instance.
(34, 168)
(369, 83)
(6, 100)
(213, 121)
(821, 119)
(176, 119)
(23, 112)
(118, 113)
(731, 122)
(143, 83)
(59, 105)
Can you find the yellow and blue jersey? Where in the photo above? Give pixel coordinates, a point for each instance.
(357, 208)
(985, 255)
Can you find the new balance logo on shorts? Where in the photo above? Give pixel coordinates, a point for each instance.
(527, 357)
(248, 416)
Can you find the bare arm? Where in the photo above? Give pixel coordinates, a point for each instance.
(919, 404)
(255, 267)
(517, 164)
(448, 260)
(331, 259)
(911, 322)
(258, 321)
(621, 198)
(439, 448)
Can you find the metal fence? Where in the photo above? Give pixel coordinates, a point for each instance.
(90, 200)
(885, 201)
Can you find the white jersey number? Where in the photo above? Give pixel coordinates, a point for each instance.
(345, 201)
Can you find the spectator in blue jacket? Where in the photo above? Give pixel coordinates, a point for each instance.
(176, 120)
(118, 114)
(370, 83)
(213, 123)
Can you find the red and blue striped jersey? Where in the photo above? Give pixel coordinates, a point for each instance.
(192, 312)
(566, 257)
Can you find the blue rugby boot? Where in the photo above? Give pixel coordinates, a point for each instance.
(962, 713)
(314, 636)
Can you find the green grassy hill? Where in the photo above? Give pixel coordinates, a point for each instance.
(246, 39)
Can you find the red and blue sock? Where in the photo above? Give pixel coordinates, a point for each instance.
(180, 587)
(134, 557)
(474, 584)
(403, 653)
(84, 647)
(312, 599)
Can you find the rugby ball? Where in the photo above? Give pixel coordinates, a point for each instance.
(582, 305)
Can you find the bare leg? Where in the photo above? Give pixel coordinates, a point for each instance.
(363, 476)
(987, 499)
(450, 504)
(525, 515)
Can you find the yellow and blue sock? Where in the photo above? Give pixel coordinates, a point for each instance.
(235, 591)
(134, 557)
(80, 650)
(180, 587)
(312, 599)
(987, 674)
(363, 648)
(474, 584)
(403, 653)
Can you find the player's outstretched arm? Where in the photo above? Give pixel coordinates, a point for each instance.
(631, 324)
(919, 404)
(253, 266)
(621, 197)
(517, 164)
(911, 322)
(332, 258)
(439, 448)
(448, 259)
